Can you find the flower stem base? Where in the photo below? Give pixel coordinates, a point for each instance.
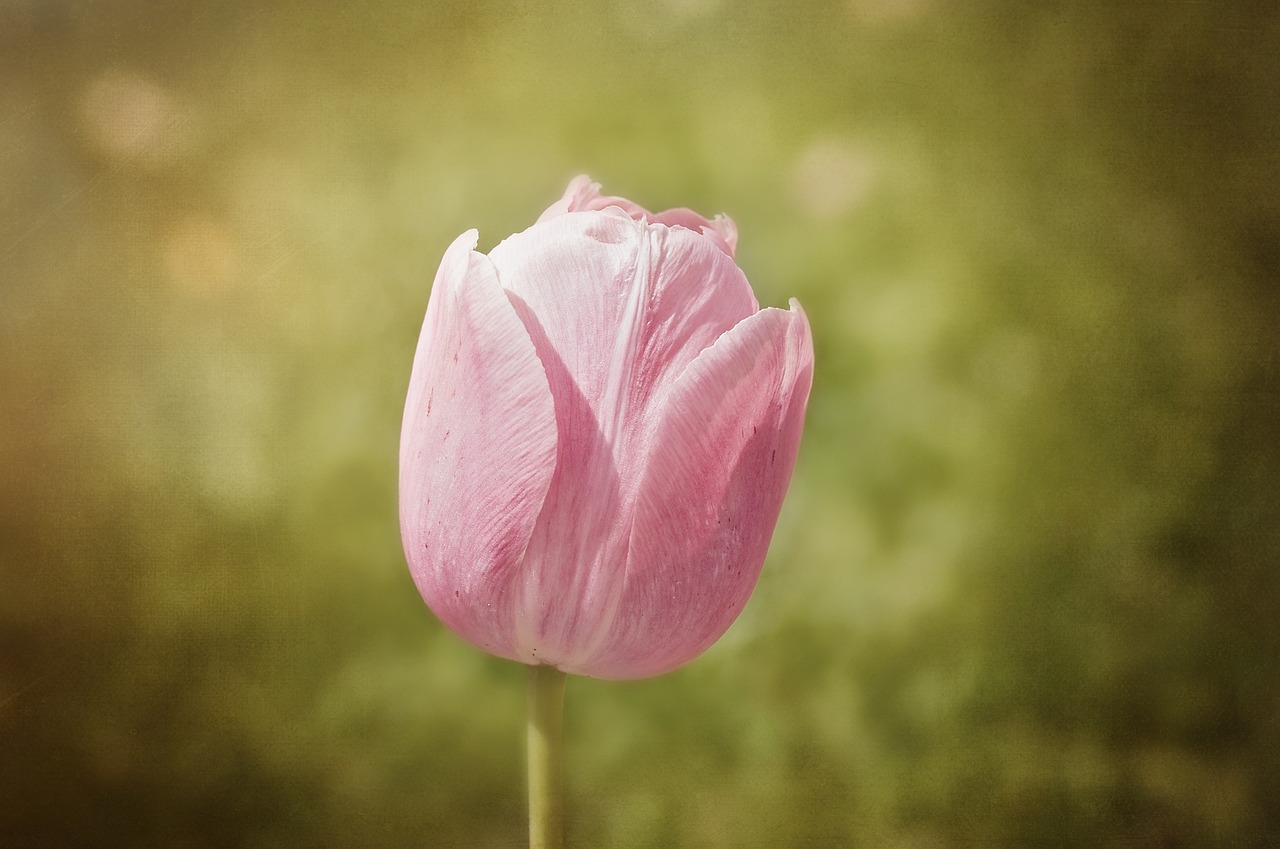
(546, 763)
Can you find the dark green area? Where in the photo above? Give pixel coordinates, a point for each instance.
(1025, 589)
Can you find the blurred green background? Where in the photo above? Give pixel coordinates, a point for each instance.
(1024, 590)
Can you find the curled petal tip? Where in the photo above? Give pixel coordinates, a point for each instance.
(579, 195)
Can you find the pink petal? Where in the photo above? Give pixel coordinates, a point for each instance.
(583, 195)
(716, 473)
(477, 451)
(721, 228)
(616, 309)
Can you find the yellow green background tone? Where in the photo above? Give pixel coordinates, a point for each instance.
(1024, 591)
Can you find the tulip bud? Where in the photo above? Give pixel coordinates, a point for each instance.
(600, 427)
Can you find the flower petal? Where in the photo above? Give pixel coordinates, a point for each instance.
(720, 229)
(719, 465)
(583, 195)
(477, 451)
(617, 309)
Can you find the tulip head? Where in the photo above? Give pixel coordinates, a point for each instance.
(600, 427)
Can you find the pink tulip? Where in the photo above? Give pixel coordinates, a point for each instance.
(600, 428)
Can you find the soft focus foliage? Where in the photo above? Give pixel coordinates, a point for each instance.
(1024, 589)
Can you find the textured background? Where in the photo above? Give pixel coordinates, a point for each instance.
(1024, 591)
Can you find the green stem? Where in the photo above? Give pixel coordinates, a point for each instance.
(546, 770)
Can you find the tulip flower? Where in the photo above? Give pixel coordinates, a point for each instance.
(600, 427)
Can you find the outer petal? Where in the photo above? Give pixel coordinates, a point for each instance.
(716, 473)
(616, 309)
(477, 451)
